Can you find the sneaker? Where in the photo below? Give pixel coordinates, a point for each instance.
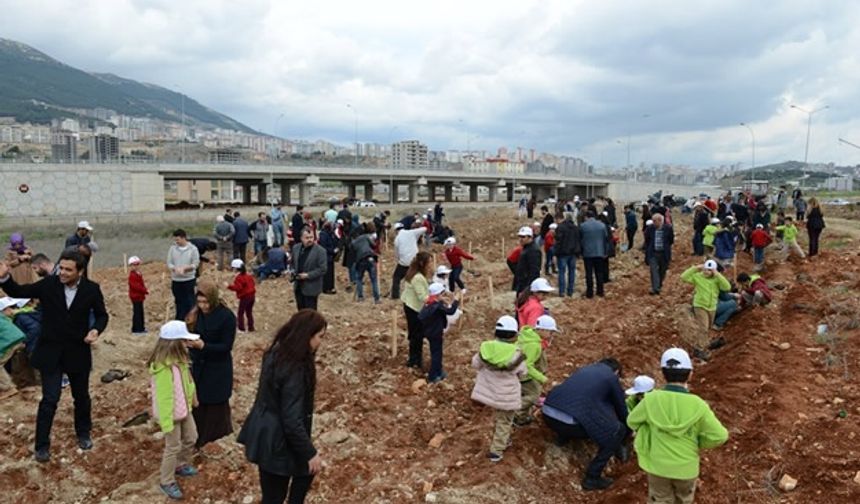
(65, 382)
(717, 343)
(495, 457)
(702, 355)
(42, 455)
(463, 292)
(172, 490)
(377, 302)
(186, 470)
(596, 483)
(85, 442)
(438, 378)
(522, 422)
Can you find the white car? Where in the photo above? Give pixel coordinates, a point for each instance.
(364, 204)
(550, 201)
(838, 202)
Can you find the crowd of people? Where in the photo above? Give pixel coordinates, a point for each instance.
(54, 314)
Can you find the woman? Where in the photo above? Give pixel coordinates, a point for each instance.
(212, 363)
(277, 432)
(18, 257)
(414, 296)
(329, 242)
(814, 225)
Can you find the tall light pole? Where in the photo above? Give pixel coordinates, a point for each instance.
(752, 134)
(808, 130)
(355, 134)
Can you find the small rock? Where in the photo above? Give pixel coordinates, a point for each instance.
(857, 478)
(428, 487)
(802, 416)
(437, 440)
(418, 384)
(431, 497)
(787, 483)
(784, 346)
(248, 499)
(838, 400)
(334, 437)
(431, 403)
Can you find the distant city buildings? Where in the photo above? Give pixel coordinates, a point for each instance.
(409, 155)
(64, 147)
(845, 183)
(104, 148)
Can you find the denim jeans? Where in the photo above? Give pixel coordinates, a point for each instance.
(566, 274)
(549, 255)
(259, 245)
(758, 255)
(725, 310)
(454, 279)
(369, 266)
(278, 228)
(435, 357)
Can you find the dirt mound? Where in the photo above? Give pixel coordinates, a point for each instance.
(789, 408)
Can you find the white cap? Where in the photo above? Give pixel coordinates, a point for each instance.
(715, 221)
(7, 301)
(450, 240)
(236, 263)
(536, 224)
(340, 221)
(711, 264)
(436, 288)
(507, 323)
(547, 323)
(649, 222)
(526, 231)
(605, 213)
(759, 226)
(553, 225)
(680, 357)
(641, 384)
(373, 236)
(175, 330)
(443, 270)
(397, 225)
(219, 218)
(576, 197)
(21, 302)
(85, 225)
(134, 260)
(540, 285)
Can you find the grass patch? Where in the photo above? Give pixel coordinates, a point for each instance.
(837, 243)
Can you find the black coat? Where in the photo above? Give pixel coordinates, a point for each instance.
(212, 366)
(815, 220)
(548, 219)
(61, 345)
(567, 239)
(277, 432)
(528, 267)
(296, 225)
(668, 240)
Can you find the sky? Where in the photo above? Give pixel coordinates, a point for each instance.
(671, 79)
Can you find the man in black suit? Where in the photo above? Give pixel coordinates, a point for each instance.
(67, 300)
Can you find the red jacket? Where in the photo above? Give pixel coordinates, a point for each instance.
(530, 311)
(514, 255)
(456, 255)
(711, 205)
(548, 241)
(760, 238)
(759, 284)
(136, 288)
(243, 285)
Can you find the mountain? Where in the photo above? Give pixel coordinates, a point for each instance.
(37, 88)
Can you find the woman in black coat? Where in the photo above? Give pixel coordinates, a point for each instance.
(212, 363)
(277, 432)
(814, 225)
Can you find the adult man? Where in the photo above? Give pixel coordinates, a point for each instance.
(260, 231)
(438, 213)
(309, 267)
(381, 225)
(67, 300)
(276, 263)
(590, 405)
(241, 236)
(42, 265)
(594, 238)
(203, 246)
(223, 235)
(405, 249)
(330, 215)
(659, 238)
(278, 216)
(297, 223)
(228, 216)
(83, 236)
(529, 263)
(567, 248)
(182, 262)
(545, 222)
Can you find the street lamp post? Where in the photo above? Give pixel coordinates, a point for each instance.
(808, 131)
(355, 134)
(752, 134)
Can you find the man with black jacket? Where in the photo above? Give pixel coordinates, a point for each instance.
(659, 238)
(567, 248)
(701, 219)
(309, 267)
(67, 299)
(296, 224)
(528, 266)
(545, 223)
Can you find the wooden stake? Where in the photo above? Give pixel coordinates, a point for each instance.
(504, 252)
(492, 297)
(125, 263)
(434, 264)
(394, 333)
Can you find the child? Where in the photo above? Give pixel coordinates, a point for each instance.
(455, 255)
(433, 318)
(754, 290)
(441, 277)
(501, 365)
(532, 341)
(642, 384)
(725, 243)
(708, 235)
(671, 426)
(708, 283)
(789, 237)
(173, 396)
(12, 342)
(137, 293)
(759, 240)
(246, 291)
(529, 302)
(549, 249)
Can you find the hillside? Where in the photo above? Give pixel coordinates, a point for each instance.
(37, 88)
(778, 174)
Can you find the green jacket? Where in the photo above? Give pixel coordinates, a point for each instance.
(789, 233)
(415, 292)
(671, 426)
(530, 342)
(163, 390)
(708, 235)
(632, 401)
(498, 353)
(10, 336)
(708, 289)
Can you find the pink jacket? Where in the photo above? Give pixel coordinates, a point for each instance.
(499, 388)
(530, 311)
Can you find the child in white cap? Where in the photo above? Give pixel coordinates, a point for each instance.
(455, 255)
(708, 236)
(173, 397)
(137, 292)
(707, 283)
(534, 340)
(671, 426)
(529, 303)
(434, 319)
(246, 290)
(642, 384)
(501, 365)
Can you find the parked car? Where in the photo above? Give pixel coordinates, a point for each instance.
(364, 204)
(550, 201)
(838, 202)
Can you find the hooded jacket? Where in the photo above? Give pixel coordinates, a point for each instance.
(671, 426)
(708, 235)
(758, 284)
(530, 311)
(29, 320)
(707, 289)
(530, 342)
(724, 244)
(172, 393)
(760, 238)
(137, 290)
(434, 317)
(500, 366)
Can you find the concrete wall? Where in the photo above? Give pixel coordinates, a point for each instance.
(629, 191)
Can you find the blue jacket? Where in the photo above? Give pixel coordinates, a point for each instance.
(30, 323)
(329, 242)
(593, 397)
(277, 259)
(434, 318)
(242, 232)
(595, 238)
(632, 223)
(668, 240)
(724, 245)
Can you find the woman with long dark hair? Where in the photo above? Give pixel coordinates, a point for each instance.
(414, 295)
(277, 432)
(814, 225)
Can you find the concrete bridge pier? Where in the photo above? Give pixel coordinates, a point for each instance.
(449, 192)
(413, 193)
(246, 192)
(493, 192)
(509, 189)
(473, 192)
(262, 193)
(368, 191)
(286, 187)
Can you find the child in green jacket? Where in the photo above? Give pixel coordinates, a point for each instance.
(708, 235)
(173, 396)
(708, 283)
(789, 238)
(642, 384)
(671, 426)
(533, 342)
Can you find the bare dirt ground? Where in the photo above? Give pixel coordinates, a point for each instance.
(790, 409)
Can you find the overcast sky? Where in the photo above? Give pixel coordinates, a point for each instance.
(569, 77)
